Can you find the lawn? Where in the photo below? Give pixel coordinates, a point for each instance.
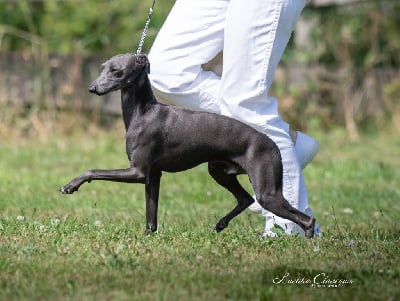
(90, 245)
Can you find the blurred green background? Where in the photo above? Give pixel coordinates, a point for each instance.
(341, 68)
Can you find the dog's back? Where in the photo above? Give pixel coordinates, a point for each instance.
(188, 138)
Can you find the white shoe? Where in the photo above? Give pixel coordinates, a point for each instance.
(255, 207)
(267, 234)
(271, 233)
(277, 226)
(317, 231)
(306, 148)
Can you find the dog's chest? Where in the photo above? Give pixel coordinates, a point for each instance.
(140, 139)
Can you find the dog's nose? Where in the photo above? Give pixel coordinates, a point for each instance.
(92, 87)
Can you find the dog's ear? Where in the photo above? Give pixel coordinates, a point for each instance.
(143, 61)
(147, 67)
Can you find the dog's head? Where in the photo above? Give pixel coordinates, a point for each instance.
(120, 71)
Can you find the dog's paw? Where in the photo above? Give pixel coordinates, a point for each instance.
(221, 225)
(69, 189)
(149, 232)
(309, 232)
(66, 190)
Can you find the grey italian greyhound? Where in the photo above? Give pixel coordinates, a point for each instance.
(161, 138)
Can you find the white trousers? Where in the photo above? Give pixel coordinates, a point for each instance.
(253, 35)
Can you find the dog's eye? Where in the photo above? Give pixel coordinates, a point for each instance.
(116, 72)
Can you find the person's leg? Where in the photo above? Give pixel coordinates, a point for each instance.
(256, 35)
(191, 36)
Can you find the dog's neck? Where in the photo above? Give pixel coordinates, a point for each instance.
(136, 99)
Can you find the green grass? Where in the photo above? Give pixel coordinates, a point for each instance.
(90, 245)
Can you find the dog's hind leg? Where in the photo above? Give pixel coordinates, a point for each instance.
(269, 194)
(278, 205)
(152, 189)
(231, 183)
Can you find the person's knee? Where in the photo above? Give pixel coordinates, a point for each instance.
(160, 80)
(165, 81)
(167, 72)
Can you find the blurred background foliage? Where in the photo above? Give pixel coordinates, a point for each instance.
(362, 37)
(349, 55)
(91, 26)
(365, 35)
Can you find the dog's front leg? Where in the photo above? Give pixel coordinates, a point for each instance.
(152, 193)
(128, 175)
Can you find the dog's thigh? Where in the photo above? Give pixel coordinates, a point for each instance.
(225, 174)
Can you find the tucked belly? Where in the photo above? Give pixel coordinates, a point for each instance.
(176, 164)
